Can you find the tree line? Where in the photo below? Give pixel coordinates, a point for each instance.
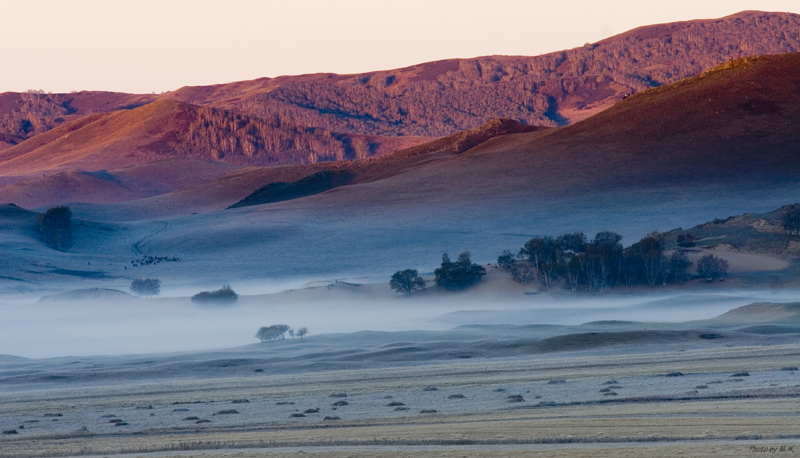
(580, 263)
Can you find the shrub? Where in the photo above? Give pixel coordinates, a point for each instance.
(406, 281)
(144, 287)
(220, 296)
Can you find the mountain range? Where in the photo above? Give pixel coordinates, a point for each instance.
(329, 117)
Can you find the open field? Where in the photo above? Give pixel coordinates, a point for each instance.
(564, 408)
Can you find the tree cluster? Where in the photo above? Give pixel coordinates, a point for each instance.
(602, 262)
(55, 226)
(460, 274)
(144, 287)
(225, 295)
(712, 268)
(278, 331)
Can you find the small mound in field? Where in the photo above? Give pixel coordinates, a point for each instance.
(296, 415)
(741, 374)
(53, 415)
(388, 397)
(191, 418)
(220, 296)
(115, 420)
(180, 410)
(610, 382)
(331, 418)
(498, 390)
(311, 411)
(340, 403)
(606, 390)
(203, 421)
(610, 393)
(398, 409)
(394, 404)
(240, 401)
(427, 411)
(284, 403)
(144, 408)
(122, 423)
(430, 388)
(227, 412)
(516, 398)
(338, 395)
(259, 370)
(714, 382)
(456, 396)
(675, 374)
(10, 431)
(557, 382)
(789, 368)
(701, 387)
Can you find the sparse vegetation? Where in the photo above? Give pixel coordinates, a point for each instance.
(460, 274)
(225, 295)
(145, 287)
(56, 227)
(406, 281)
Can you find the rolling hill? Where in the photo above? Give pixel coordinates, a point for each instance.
(170, 129)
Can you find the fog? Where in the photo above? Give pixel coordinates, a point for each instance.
(135, 326)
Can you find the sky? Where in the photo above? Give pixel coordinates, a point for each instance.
(146, 46)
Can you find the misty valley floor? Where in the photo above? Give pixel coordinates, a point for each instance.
(494, 393)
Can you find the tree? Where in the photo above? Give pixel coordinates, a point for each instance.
(575, 242)
(651, 249)
(458, 275)
(302, 332)
(547, 256)
(506, 259)
(56, 227)
(678, 265)
(791, 220)
(145, 287)
(711, 267)
(686, 240)
(523, 271)
(291, 333)
(406, 281)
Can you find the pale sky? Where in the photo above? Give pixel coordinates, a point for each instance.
(147, 46)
